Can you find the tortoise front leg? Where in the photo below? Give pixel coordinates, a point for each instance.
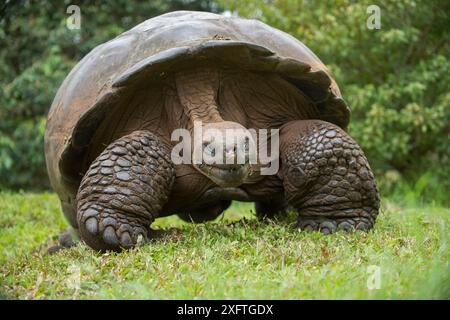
(327, 178)
(123, 191)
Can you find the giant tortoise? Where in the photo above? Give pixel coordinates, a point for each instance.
(109, 137)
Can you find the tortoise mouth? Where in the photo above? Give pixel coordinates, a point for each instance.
(225, 175)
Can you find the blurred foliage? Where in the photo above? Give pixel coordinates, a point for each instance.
(396, 79)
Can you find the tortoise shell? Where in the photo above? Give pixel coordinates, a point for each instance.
(100, 81)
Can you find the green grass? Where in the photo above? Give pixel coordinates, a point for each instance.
(235, 257)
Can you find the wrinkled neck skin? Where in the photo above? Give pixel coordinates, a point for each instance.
(197, 91)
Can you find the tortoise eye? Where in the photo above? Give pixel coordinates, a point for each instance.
(209, 149)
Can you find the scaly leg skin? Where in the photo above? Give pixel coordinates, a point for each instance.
(123, 191)
(205, 213)
(327, 178)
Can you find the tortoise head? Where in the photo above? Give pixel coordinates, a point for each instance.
(221, 151)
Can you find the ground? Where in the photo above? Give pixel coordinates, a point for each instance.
(406, 256)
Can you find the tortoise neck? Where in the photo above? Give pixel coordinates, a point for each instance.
(197, 90)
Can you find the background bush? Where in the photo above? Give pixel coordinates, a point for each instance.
(396, 79)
